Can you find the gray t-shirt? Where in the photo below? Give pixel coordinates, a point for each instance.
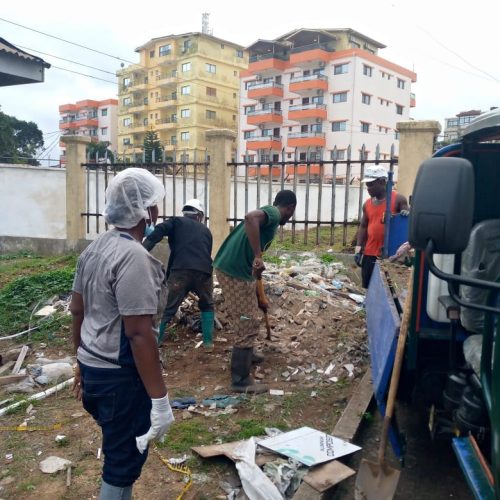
(116, 277)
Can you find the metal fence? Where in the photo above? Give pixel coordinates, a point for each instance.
(182, 181)
(329, 195)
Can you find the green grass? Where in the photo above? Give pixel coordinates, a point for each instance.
(27, 280)
(183, 436)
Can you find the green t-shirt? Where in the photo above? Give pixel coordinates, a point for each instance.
(235, 256)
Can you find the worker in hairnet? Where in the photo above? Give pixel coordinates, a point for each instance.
(189, 266)
(116, 290)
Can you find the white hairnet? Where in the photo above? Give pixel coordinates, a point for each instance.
(128, 196)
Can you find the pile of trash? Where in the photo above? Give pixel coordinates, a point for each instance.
(316, 314)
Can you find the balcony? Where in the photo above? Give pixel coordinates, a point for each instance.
(165, 102)
(77, 123)
(272, 116)
(313, 53)
(257, 90)
(303, 84)
(138, 107)
(166, 79)
(307, 111)
(260, 63)
(271, 142)
(139, 85)
(166, 123)
(306, 139)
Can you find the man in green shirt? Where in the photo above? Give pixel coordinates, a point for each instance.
(237, 264)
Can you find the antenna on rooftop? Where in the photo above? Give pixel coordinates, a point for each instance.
(205, 29)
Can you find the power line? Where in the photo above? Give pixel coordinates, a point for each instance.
(67, 41)
(46, 151)
(67, 60)
(84, 74)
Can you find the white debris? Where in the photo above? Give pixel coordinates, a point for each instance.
(54, 464)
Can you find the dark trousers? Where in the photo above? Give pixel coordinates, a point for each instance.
(367, 269)
(120, 405)
(182, 281)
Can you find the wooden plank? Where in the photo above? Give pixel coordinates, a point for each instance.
(20, 360)
(324, 476)
(348, 424)
(307, 492)
(6, 367)
(10, 379)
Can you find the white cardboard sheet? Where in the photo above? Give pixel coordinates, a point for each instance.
(309, 446)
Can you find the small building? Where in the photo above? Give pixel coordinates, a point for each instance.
(454, 126)
(96, 119)
(17, 67)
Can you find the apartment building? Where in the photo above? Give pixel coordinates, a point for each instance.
(312, 93)
(96, 119)
(455, 125)
(183, 86)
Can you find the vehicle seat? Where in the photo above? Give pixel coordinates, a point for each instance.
(480, 260)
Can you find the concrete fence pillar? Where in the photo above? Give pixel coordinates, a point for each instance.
(75, 188)
(416, 143)
(219, 177)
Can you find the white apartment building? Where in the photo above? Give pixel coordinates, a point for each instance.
(311, 94)
(96, 119)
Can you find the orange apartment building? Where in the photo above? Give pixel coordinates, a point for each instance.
(312, 93)
(96, 119)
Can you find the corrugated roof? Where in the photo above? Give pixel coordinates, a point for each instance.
(7, 47)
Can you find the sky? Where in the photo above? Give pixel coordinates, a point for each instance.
(454, 50)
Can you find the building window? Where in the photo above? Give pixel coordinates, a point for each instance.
(165, 50)
(366, 98)
(249, 109)
(126, 82)
(340, 126)
(211, 91)
(401, 84)
(186, 67)
(186, 90)
(173, 140)
(234, 118)
(337, 154)
(127, 122)
(396, 135)
(126, 141)
(151, 54)
(185, 113)
(104, 130)
(365, 127)
(341, 69)
(248, 133)
(210, 114)
(184, 136)
(210, 68)
(248, 158)
(104, 112)
(145, 122)
(367, 70)
(127, 101)
(399, 109)
(452, 123)
(340, 97)
(239, 53)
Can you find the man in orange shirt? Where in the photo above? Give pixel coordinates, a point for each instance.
(371, 230)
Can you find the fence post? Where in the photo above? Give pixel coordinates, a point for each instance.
(75, 188)
(219, 176)
(416, 144)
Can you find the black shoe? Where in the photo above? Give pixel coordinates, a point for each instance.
(257, 357)
(241, 362)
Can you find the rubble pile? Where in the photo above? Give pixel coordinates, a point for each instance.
(316, 314)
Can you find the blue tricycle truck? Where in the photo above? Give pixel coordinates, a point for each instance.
(451, 364)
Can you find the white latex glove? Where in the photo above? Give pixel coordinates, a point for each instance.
(161, 419)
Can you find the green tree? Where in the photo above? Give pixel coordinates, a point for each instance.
(20, 141)
(152, 143)
(101, 150)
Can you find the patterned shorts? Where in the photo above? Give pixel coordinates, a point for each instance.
(242, 307)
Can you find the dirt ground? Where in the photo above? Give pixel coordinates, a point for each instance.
(316, 356)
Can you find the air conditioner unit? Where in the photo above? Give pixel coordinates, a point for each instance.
(258, 77)
(261, 126)
(318, 120)
(320, 92)
(321, 64)
(262, 100)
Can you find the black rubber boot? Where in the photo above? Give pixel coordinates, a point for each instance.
(242, 381)
(257, 357)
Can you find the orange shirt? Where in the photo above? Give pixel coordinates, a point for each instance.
(375, 215)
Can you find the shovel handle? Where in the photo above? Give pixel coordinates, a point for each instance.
(396, 371)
